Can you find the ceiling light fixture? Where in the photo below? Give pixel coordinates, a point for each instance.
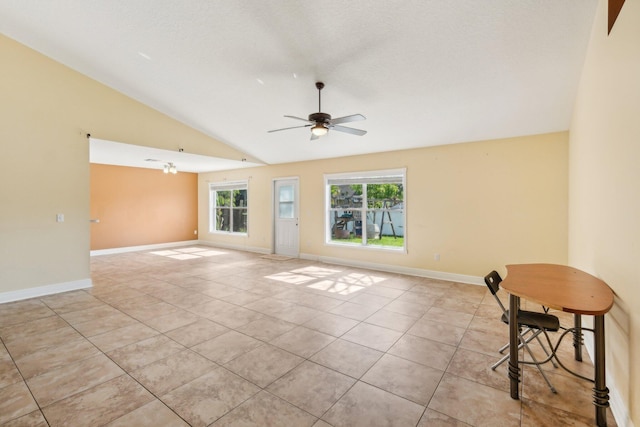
(170, 168)
(319, 129)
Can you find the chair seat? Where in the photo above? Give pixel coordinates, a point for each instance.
(535, 320)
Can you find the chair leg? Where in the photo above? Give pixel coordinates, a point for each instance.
(501, 361)
(522, 343)
(553, 362)
(502, 349)
(553, 389)
(506, 346)
(536, 336)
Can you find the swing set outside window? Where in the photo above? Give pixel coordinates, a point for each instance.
(366, 209)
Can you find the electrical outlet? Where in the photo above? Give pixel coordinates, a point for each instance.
(195, 231)
(436, 257)
(59, 217)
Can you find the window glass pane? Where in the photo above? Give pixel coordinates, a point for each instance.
(286, 193)
(385, 227)
(346, 225)
(383, 195)
(223, 198)
(223, 219)
(346, 196)
(285, 210)
(239, 220)
(286, 198)
(240, 198)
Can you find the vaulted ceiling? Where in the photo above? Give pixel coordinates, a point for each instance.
(423, 72)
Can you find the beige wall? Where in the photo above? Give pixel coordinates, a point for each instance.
(138, 206)
(604, 214)
(479, 205)
(45, 111)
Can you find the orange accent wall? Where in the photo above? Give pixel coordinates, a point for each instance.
(138, 206)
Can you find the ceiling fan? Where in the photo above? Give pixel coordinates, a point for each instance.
(320, 122)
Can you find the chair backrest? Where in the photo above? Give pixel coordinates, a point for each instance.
(492, 280)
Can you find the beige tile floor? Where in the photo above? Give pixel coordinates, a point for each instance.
(202, 336)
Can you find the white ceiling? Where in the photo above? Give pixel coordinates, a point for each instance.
(423, 72)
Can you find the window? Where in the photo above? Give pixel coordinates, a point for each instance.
(286, 201)
(228, 203)
(366, 209)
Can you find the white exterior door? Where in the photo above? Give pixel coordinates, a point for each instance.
(287, 239)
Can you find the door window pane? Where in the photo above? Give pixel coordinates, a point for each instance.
(286, 207)
(286, 193)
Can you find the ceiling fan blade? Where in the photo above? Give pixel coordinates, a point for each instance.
(346, 119)
(292, 127)
(352, 131)
(299, 118)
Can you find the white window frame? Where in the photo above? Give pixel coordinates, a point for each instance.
(365, 177)
(214, 187)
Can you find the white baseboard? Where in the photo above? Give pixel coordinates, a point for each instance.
(618, 408)
(440, 275)
(142, 248)
(44, 290)
(236, 247)
(178, 244)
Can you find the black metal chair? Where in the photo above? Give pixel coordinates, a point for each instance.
(530, 325)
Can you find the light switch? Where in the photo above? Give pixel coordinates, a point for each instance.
(59, 217)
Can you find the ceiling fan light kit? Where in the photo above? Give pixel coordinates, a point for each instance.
(319, 129)
(320, 122)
